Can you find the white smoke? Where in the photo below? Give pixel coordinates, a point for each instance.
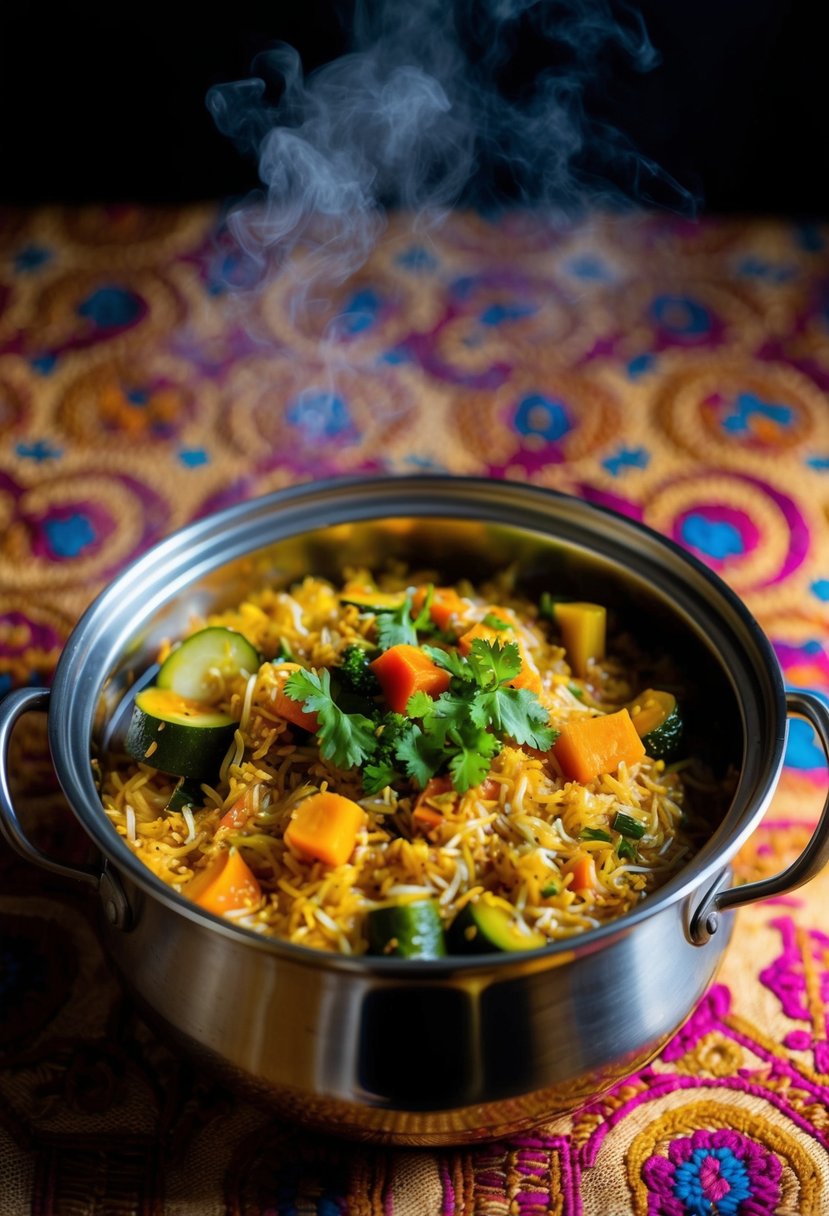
(424, 113)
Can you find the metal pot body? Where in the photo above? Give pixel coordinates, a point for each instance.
(456, 1049)
(415, 1055)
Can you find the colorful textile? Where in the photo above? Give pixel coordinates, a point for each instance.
(676, 373)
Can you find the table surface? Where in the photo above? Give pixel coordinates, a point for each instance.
(675, 372)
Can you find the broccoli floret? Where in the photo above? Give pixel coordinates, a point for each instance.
(383, 769)
(355, 672)
(393, 727)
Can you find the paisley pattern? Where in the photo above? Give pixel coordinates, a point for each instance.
(151, 371)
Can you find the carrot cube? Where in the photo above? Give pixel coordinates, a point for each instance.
(587, 747)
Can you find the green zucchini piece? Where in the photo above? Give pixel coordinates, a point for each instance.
(407, 930)
(186, 793)
(481, 928)
(187, 668)
(375, 601)
(178, 735)
(658, 722)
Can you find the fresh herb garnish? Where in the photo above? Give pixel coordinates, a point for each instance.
(626, 825)
(596, 834)
(397, 627)
(459, 732)
(495, 622)
(345, 739)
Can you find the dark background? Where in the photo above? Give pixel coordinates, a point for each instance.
(105, 106)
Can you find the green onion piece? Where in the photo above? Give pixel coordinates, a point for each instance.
(596, 834)
(626, 825)
(626, 850)
(550, 889)
(546, 606)
(494, 622)
(575, 690)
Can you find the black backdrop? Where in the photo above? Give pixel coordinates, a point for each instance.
(110, 105)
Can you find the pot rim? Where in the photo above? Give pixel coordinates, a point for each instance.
(354, 500)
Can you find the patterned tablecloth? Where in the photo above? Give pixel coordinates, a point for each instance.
(675, 372)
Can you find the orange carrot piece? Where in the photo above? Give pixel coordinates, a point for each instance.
(583, 869)
(590, 746)
(238, 813)
(486, 633)
(403, 670)
(226, 885)
(324, 828)
(427, 818)
(286, 707)
(446, 604)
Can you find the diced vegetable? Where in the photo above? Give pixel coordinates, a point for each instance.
(437, 795)
(479, 630)
(355, 671)
(583, 869)
(324, 828)
(226, 885)
(407, 930)
(626, 825)
(374, 601)
(177, 735)
(587, 747)
(658, 722)
(192, 667)
(482, 927)
(596, 834)
(186, 793)
(238, 813)
(286, 706)
(446, 605)
(583, 632)
(404, 670)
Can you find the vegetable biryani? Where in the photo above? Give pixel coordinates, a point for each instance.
(396, 767)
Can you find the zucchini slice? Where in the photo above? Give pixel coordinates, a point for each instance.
(186, 793)
(177, 734)
(407, 931)
(481, 928)
(658, 722)
(375, 601)
(190, 668)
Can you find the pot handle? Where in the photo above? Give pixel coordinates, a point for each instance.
(12, 707)
(705, 921)
(106, 882)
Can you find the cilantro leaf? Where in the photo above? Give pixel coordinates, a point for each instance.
(495, 622)
(396, 627)
(346, 739)
(420, 705)
(518, 713)
(377, 776)
(421, 754)
(468, 768)
(494, 663)
(450, 661)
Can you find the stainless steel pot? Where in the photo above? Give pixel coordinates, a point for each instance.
(459, 1049)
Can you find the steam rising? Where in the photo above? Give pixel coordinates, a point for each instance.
(426, 113)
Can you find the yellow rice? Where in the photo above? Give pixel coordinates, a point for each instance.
(511, 837)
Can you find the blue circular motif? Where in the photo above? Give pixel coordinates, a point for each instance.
(539, 415)
(681, 315)
(320, 414)
(716, 538)
(713, 1179)
(110, 307)
(70, 536)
